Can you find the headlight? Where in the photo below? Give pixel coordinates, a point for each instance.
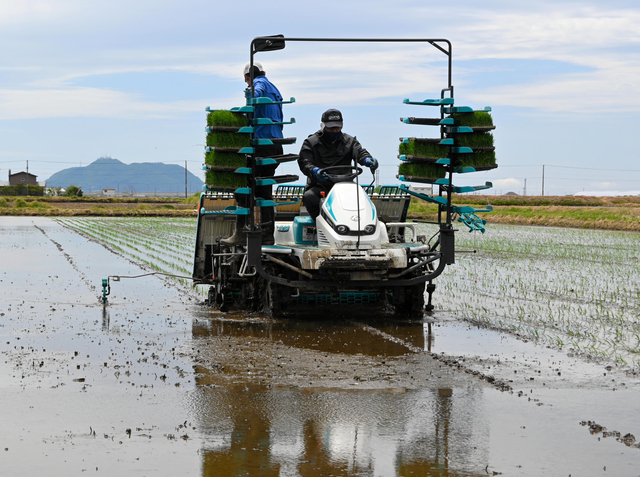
(369, 229)
(342, 229)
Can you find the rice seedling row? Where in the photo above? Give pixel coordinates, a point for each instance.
(130, 242)
(574, 288)
(170, 247)
(140, 236)
(173, 255)
(564, 287)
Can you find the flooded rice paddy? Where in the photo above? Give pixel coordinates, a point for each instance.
(528, 366)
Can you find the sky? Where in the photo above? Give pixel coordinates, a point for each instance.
(82, 79)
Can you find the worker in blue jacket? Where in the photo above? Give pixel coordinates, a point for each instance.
(262, 88)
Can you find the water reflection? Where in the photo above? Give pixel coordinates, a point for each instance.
(316, 335)
(291, 431)
(106, 319)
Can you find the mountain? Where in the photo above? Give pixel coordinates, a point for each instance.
(138, 177)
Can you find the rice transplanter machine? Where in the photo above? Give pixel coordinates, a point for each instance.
(361, 250)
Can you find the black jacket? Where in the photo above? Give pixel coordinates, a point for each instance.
(316, 151)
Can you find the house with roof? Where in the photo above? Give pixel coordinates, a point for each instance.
(24, 178)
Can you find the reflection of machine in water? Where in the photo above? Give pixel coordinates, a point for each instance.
(285, 431)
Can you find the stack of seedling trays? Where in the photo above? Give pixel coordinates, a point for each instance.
(230, 153)
(227, 136)
(465, 144)
(472, 135)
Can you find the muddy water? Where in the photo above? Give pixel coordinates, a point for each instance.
(155, 384)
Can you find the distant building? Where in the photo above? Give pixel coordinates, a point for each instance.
(24, 178)
(108, 192)
(422, 189)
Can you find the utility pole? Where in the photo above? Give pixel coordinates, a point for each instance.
(27, 179)
(525, 188)
(185, 179)
(543, 179)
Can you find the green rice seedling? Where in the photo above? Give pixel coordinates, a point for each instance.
(478, 158)
(429, 171)
(228, 139)
(413, 148)
(524, 265)
(3, 202)
(224, 159)
(163, 244)
(225, 179)
(474, 119)
(474, 140)
(226, 119)
(21, 203)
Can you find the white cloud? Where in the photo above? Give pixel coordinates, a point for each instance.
(86, 102)
(509, 183)
(593, 36)
(557, 31)
(610, 90)
(10, 11)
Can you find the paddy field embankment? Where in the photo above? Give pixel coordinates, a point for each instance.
(605, 213)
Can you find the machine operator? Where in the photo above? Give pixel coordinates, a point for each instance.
(328, 147)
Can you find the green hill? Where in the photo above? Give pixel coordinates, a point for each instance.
(138, 177)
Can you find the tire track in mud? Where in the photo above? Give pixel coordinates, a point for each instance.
(450, 361)
(70, 260)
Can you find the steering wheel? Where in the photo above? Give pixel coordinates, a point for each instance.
(355, 171)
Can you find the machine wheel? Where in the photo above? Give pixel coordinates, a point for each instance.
(417, 300)
(413, 305)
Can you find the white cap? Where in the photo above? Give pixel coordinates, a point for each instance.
(256, 64)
